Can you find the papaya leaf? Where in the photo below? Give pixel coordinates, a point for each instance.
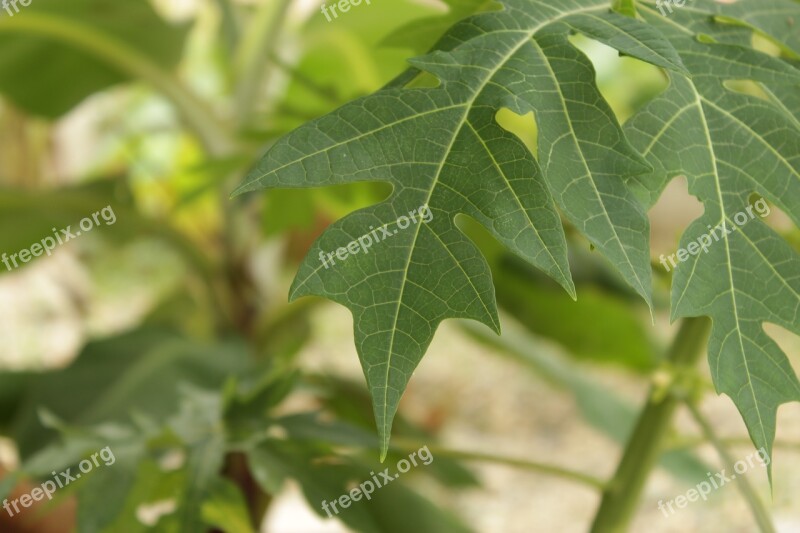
(731, 146)
(445, 154)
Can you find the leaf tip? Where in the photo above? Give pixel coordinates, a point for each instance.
(241, 189)
(385, 435)
(769, 478)
(495, 324)
(570, 288)
(251, 182)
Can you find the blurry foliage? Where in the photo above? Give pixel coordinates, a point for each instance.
(46, 76)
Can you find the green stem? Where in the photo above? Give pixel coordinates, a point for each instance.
(229, 25)
(120, 55)
(756, 505)
(404, 445)
(254, 55)
(644, 447)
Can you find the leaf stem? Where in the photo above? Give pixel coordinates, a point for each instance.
(405, 445)
(644, 447)
(760, 513)
(254, 54)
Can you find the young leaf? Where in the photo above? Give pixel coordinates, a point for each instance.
(443, 150)
(731, 145)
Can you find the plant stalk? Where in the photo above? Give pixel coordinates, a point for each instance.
(621, 496)
(254, 54)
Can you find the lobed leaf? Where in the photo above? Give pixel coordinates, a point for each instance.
(442, 149)
(731, 146)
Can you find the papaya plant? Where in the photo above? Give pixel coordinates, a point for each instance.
(489, 177)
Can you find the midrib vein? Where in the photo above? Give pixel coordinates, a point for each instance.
(528, 35)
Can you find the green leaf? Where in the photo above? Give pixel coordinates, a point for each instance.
(443, 150)
(730, 146)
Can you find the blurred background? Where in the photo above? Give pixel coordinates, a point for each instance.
(167, 335)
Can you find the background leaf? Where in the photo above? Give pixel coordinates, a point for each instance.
(133, 22)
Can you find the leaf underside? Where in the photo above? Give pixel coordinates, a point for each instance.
(730, 146)
(443, 148)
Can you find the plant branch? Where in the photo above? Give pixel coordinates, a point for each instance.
(644, 447)
(760, 513)
(254, 55)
